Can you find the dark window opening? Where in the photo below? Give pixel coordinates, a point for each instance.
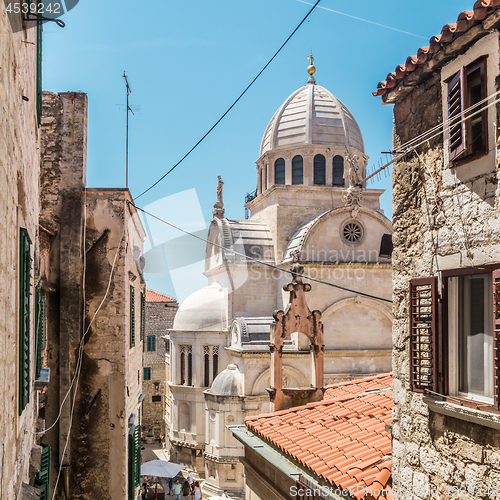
(190, 369)
(183, 368)
(319, 170)
(297, 170)
(338, 171)
(279, 171)
(156, 399)
(216, 365)
(206, 361)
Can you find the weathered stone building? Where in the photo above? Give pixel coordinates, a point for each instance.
(20, 354)
(91, 276)
(159, 317)
(446, 262)
(309, 210)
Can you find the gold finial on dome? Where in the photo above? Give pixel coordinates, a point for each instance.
(311, 69)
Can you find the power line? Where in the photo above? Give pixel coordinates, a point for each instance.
(232, 105)
(257, 260)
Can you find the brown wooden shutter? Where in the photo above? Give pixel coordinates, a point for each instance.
(456, 105)
(423, 334)
(496, 335)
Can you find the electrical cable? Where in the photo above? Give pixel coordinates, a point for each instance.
(232, 105)
(254, 259)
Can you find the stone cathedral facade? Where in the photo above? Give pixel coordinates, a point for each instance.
(311, 208)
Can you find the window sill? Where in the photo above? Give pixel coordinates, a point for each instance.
(466, 413)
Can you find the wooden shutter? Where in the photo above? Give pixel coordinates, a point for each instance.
(423, 334)
(40, 329)
(496, 336)
(456, 105)
(132, 316)
(24, 318)
(143, 315)
(42, 479)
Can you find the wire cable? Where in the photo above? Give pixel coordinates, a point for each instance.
(234, 252)
(232, 105)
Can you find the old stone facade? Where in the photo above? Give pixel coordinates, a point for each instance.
(91, 278)
(160, 314)
(20, 51)
(446, 430)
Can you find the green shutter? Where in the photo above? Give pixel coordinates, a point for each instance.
(24, 318)
(132, 316)
(151, 343)
(134, 460)
(143, 315)
(40, 328)
(39, 30)
(147, 373)
(42, 479)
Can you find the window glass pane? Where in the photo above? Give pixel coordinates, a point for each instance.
(151, 343)
(297, 170)
(475, 124)
(338, 171)
(319, 170)
(279, 171)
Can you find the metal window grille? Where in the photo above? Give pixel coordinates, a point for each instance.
(24, 317)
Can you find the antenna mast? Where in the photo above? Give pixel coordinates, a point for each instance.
(128, 109)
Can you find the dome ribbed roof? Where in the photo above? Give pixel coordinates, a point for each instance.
(312, 115)
(229, 382)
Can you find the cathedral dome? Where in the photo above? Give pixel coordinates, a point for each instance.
(229, 382)
(204, 310)
(312, 115)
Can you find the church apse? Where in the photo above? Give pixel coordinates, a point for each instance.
(297, 318)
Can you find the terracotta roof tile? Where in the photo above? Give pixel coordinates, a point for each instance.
(152, 296)
(465, 21)
(341, 438)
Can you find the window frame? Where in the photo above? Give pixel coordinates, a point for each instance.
(443, 368)
(148, 377)
(296, 166)
(342, 184)
(459, 155)
(282, 170)
(319, 170)
(150, 342)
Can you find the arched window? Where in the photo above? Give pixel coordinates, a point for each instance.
(215, 361)
(183, 368)
(264, 178)
(319, 170)
(297, 170)
(279, 171)
(190, 369)
(206, 362)
(338, 171)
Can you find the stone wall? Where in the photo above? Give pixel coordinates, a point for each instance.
(19, 169)
(444, 218)
(156, 414)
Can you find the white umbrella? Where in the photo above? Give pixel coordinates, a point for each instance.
(160, 468)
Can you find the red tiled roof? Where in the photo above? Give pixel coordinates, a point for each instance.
(466, 20)
(157, 297)
(342, 438)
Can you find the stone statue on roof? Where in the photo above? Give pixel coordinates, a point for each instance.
(219, 204)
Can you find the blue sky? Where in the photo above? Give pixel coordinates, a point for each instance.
(188, 61)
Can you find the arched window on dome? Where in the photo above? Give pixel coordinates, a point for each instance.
(279, 171)
(297, 170)
(319, 170)
(338, 171)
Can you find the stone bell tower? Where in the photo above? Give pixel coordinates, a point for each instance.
(297, 318)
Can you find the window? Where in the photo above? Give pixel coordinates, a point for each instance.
(186, 365)
(132, 316)
(465, 89)
(24, 317)
(134, 459)
(297, 170)
(264, 178)
(40, 329)
(151, 343)
(42, 479)
(147, 373)
(213, 352)
(143, 314)
(461, 361)
(215, 361)
(338, 171)
(156, 399)
(279, 171)
(319, 170)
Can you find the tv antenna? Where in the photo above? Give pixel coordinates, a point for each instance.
(130, 109)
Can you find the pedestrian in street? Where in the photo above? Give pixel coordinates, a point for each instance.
(177, 490)
(171, 486)
(144, 490)
(190, 479)
(186, 489)
(225, 495)
(197, 491)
